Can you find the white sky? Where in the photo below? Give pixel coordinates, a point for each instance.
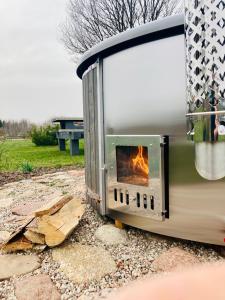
(37, 75)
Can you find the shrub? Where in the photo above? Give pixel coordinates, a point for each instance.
(44, 135)
(26, 167)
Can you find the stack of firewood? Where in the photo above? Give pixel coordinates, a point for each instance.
(48, 226)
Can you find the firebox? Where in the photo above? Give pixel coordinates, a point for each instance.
(136, 175)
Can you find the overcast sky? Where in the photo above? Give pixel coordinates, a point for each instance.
(37, 75)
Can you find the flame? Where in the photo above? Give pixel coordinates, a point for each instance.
(139, 162)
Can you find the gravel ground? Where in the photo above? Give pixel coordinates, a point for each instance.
(6, 177)
(133, 259)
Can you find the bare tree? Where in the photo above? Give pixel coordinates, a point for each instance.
(15, 129)
(91, 21)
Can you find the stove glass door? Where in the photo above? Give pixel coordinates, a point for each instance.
(132, 165)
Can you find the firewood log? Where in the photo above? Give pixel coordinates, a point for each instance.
(34, 237)
(56, 228)
(18, 245)
(53, 206)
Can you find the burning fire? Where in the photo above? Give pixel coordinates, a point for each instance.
(139, 162)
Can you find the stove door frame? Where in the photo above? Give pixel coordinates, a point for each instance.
(150, 201)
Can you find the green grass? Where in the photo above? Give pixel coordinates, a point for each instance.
(16, 152)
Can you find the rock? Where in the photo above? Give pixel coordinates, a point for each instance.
(13, 265)
(5, 202)
(39, 287)
(103, 294)
(81, 263)
(4, 235)
(111, 235)
(174, 258)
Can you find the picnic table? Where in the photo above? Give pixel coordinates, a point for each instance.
(70, 129)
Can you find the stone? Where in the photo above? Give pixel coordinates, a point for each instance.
(110, 235)
(5, 202)
(173, 259)
(103, 294)
(39, 287)
(14, 265)
(4, 235)
(82, 263)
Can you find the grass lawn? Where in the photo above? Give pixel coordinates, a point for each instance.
(17, 152)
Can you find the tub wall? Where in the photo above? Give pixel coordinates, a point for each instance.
(144, 93)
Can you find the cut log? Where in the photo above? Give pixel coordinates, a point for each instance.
(56, 228)
(53, 206)
(51, 226)
(34, 237)
(19, 230)
(20, 244)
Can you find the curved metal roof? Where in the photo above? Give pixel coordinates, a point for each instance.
(155, 30)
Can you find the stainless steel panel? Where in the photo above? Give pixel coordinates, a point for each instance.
(101, 138)
(91, 136)
(144, 88)
(148, 96)
(154, 190)
(196, 205)
(94, 137)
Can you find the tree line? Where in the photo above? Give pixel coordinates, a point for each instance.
(15, 129)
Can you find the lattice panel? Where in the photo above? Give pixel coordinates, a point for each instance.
(205, 38)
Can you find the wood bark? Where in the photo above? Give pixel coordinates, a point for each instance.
(20, 244)
(53, 206)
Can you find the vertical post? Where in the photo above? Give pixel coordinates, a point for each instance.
(74, 147)
(101, 138)
(62, 145)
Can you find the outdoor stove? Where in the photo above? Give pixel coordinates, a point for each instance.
(154, 125)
